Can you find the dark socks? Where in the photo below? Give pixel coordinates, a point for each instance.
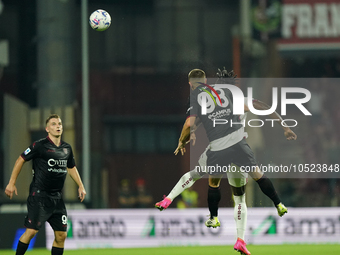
(268, 189)
(21, 248)
(214, 197)
(57, 251)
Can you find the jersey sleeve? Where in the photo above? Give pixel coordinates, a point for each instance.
(193, 106)
(70, 161)
(31, 152)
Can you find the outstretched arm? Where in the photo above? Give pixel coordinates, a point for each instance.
(197, 123)
(193, 129)
(76, 177)
(11, 188)
(185, 135)
(289, 134)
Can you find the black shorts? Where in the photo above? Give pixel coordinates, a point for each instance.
(43, 208)
(217, 162)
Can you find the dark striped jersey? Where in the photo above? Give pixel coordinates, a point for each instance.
(50, 163)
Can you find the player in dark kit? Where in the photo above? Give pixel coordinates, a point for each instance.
(52, 160)
(227, 147)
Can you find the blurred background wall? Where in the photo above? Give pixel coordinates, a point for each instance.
(139, 89)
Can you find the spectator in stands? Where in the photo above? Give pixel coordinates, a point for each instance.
(126, 198)
(143, 196)
(189, 199)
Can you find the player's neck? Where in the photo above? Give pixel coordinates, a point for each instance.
(54, 139)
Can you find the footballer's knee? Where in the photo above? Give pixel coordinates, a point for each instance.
(238, 191)
(257, 174)
(28, 235)
(60, 236)
(196, 175)
(214, 182)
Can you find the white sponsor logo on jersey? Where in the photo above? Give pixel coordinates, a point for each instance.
(57, 162)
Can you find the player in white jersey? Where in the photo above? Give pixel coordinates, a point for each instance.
(231, 144)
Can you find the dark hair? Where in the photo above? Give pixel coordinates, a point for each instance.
(52, 116)
(226, 77)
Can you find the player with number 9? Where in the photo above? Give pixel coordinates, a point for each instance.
(52, 160)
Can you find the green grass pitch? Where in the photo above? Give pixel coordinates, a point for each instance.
(298, 249)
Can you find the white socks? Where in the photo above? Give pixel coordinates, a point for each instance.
(186, 181)
(240, 215)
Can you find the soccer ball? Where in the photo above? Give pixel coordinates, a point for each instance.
(100, 20)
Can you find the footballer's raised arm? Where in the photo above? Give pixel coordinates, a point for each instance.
(185, 134)
(246, 108)
(289, 134)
